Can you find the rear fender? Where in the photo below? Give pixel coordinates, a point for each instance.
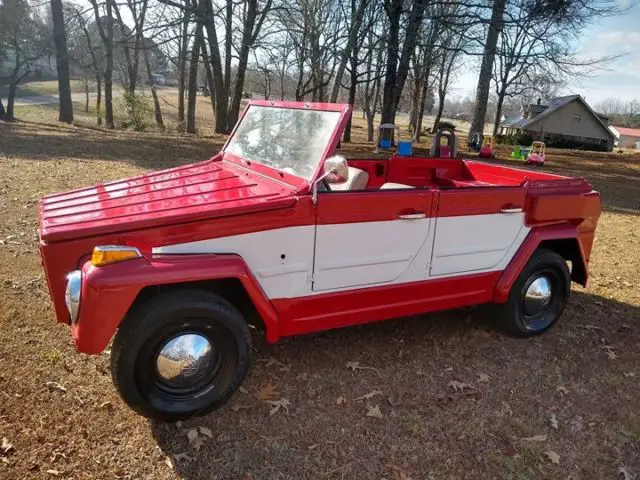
(544, 237)
(109, 292)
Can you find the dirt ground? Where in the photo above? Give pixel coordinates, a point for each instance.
(441, 396)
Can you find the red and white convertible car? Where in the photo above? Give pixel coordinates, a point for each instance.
(278, 232)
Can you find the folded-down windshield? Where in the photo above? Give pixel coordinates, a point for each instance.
(292, 140)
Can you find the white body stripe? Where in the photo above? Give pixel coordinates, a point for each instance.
(355, 255)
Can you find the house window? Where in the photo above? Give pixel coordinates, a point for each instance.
(577, 117)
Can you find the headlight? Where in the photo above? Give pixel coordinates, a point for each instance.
(106, 254)
(72, 294)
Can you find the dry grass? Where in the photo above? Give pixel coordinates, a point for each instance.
(585, 372)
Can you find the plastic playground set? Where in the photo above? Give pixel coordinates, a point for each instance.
(484, 145)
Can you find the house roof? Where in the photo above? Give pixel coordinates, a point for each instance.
(556, 104)
(629, 132)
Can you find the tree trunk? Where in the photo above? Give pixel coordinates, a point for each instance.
(436, 122)
(486, 69)
(394, 11)
(209, 74)
(108, 73)
(3, 112)
(496, 122)
(356, 21)
(243, 59)
(423, 102)
(86, 94)
(352, 95)
(62, 63)
(221, 90)
(154, 94)
(99, 99)
(11, 98)
(193, 81)
(182, 68)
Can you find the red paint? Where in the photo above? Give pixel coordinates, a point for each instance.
(352, 307)
(108, 293)
(529, 246)
(227, 195)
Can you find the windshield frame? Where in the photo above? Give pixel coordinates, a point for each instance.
(301, 184)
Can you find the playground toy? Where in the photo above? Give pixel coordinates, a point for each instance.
(475, 142)
(450, 150)
(386, 133)
(385, 136)
(537, 155)
(488, 149)
(520, 152)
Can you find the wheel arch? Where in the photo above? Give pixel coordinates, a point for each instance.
(111, 293)
(564, 240)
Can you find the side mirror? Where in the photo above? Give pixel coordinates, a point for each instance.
(336, 170)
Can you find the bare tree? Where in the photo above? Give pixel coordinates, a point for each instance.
(105, 29)
(62, 63)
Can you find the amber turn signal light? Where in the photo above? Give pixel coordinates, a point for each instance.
(107, 254)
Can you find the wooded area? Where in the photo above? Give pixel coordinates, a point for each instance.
(381, 56)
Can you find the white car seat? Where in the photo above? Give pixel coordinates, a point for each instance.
(358, 180)
(393, 186)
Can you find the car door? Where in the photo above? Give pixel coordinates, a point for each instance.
(477, 229)
(370, 238)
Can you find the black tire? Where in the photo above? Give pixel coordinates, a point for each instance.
(519, 315)
(175, 316)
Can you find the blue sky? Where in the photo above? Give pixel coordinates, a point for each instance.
(609, 36)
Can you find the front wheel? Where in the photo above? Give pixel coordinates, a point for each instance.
(538, 296)
(180, 354)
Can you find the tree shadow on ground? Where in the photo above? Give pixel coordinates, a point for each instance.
(408, 369)
(616, 177)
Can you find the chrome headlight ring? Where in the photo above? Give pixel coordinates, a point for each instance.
(73, 293)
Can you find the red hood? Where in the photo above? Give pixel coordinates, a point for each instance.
(193, 192)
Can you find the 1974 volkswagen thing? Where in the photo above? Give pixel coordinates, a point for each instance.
(276, 231)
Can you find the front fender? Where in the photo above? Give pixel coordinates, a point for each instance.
(108, 292)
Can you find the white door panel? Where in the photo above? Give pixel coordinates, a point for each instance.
(358, 254)
(478, 242)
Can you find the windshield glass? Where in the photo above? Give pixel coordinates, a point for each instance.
(292, 140)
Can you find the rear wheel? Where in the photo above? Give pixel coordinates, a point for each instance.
(180, 354)
(538, 296)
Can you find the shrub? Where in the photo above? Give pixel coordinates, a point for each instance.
(133, 111)
(445, 124)
(523, 139)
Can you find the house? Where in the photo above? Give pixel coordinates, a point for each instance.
(567, 122)
(626, 137)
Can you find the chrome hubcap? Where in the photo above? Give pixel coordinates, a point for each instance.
(537, 296)
(185, 360)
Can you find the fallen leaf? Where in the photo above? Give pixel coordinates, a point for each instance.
(236, 408)
(554, 421)
(104, 404)
(6, 446)
(168, 462)
(278, 404)
(626, 474)
(562, 390)
(268, 392)
(373, 412)
(629, 374)
(553, 456)
(356, 366)
(181, 457)
(340, 400)
(610, 352)
(483, 377)
(368, 396)
(243, 390)
(206, 432)
(55, 473)
(459, 386)
(536, 438)
(192, 435)
(56, 386)
(271, 362)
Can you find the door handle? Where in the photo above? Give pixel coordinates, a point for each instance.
(412, 216)
(511, 210)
